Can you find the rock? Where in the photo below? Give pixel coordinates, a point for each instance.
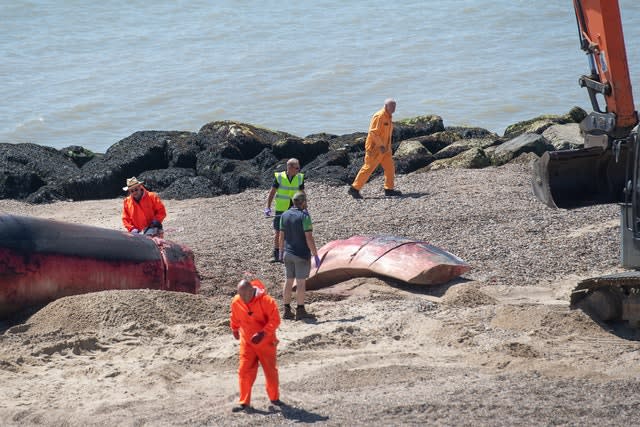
(190, 187)
(473, 158)
(103, 178)
(470, 132)
(237, 141)
(525, 158)
(411, 155)
(524, 143)
(78, 155)
(305, 150)
(230, 175)
(417, 126)
(462, 145)
(541, 123)
(160, 179)
(353, 142)
(182, 150)
(437, 141)
(330, 168)
(266, 161)
(564, 137)
(47, 194)
(26, 167)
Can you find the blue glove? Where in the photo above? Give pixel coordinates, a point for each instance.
(316, 258)
(135, 231)
(305, 212)
(267, 212)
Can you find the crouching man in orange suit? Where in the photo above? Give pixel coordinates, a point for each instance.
(254, 320)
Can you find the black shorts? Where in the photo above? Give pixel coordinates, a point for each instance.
(276, 220)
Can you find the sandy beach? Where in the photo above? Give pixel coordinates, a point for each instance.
(497, 347)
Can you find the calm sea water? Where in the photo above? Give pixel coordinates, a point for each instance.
(92, 73)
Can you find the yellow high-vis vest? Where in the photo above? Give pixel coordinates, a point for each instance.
(286, 189)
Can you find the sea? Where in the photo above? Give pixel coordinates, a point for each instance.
(75, 72)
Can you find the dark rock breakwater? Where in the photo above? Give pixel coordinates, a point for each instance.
(227, 157)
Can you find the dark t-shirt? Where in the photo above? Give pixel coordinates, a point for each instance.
(295, 222)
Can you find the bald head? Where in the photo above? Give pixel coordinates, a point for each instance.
(390, 105)
(245, 290)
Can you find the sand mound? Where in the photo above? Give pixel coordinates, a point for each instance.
(113, 309)
(464, 295)
(548, 320)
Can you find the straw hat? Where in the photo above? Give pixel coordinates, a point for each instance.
(132, 182)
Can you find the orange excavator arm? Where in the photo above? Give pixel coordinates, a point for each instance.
(607, 169)
(601, 37)
(599, 172)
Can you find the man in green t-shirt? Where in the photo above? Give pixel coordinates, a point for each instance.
(296, 248)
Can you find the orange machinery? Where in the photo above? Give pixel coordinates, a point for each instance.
(607, 169)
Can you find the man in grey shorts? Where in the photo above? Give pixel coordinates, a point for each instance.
(296, 248)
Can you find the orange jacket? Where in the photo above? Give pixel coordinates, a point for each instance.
(380, 131)
(140, 214)
(260, 314)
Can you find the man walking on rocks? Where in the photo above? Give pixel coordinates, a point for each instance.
(378, 152)
(285, 185)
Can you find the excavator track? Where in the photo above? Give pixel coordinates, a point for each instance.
(610, 298)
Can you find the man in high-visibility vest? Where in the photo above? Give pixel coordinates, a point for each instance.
(285, 185)
(254, 320)
(378, 152)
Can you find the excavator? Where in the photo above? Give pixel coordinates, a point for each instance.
(607, 169)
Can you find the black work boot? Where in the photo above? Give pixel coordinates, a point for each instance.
(354, 193)
(302, 314)
(288, 313)
(240, 408)
(276, 255)
(392, 192)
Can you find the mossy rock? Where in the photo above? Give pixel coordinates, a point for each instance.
(541, 123)
(474, 158)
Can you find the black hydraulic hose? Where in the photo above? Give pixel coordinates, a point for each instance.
(581, 24)
(584, 43)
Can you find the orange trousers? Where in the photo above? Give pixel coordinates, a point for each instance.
(372, 159)
(250, 355)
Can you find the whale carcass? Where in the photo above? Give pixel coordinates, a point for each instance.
(412, 261)
(42, 260)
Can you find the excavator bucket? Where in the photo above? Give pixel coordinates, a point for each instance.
(573, 178)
